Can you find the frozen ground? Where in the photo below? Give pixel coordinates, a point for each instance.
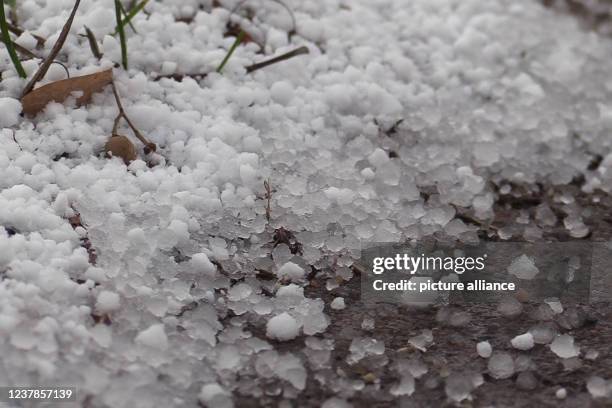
(464, 119)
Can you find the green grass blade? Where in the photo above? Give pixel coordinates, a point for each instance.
(125, 13)
(120, 28)
(231, 50)
(9, 43)
(130, 15)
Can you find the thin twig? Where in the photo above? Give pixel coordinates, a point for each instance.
(268, 197)
(298, 51)
(249, 69)
(149, 146)
(124, 56)
(42, 70)
(16, 142)
(9, 43)
(239, 39)
(63, 66)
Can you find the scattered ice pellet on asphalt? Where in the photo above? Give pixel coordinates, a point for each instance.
(523, 267)
(523, 341)
(458, 386)
(484, 349)
(526, 380)
(338, 303)
(598, 387)
(501, 365)
(368, 323)
(564, 347)
(510, 306)
(422, 341)
(363, 347)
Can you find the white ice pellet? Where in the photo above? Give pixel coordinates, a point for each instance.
(484, 349)
(501, 365)
(338, 303)
(598, 387)
(282, 327)
(107, 302)
(523, 267)
(564, 347)
(26, 40)
(523, 341)
(291, 271)
(281, 92)
(201, 264)
(9, 112)
(213, 395)
(154, 336)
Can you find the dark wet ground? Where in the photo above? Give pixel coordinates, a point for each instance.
(454, 348)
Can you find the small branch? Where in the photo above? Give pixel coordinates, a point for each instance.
(9, 43)
(149, 146)
(239, 39)
(298, 51)
(249, 69)
(54, 51)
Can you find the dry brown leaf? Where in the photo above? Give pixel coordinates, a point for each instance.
(58, 91)
(121, 146)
